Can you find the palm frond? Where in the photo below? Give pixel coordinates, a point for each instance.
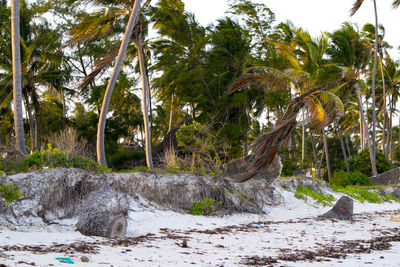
(356, 6)
(100, 67)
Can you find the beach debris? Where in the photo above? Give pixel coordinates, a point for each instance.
(395, 219)
(84, 259)
(65, 260)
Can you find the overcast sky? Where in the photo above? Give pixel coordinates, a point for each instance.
(316, 16)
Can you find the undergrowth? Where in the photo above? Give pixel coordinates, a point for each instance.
(324, 199)
(363, 194)
(205, 207)
(51, 158)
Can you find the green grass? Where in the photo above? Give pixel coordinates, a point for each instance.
(363, 193)
(304, 192)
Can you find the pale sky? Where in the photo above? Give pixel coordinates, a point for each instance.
(316, 16)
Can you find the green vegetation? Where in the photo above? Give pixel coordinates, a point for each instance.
(304, 192)
(364, 194)
(51, 158)
(9, 193)
(234, 80)
(343, 179)
(205, 207)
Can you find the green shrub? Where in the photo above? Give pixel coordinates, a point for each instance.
(9, 193)
(287, 167)
(52, 158)
(205, 207)
(302, 192)
(122, 158)
(342, 178)
(362, 163)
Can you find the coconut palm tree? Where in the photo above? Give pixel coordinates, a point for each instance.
(101, 157)
(313, 81)
(357, 4)
(17, 85)
(351, 52)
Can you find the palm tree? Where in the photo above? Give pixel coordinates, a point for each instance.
(349, 51)
(308, 75)
(101, 157)
(145, 93)
(17, 85)
(357, 4)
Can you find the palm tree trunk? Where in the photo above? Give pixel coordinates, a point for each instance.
(145, 102)
(384, 149)
(374, 171)
(17, 84)
(328, 165)
(171, 113)
(373, 85)
(303, 145)
(390, 145)
(30, 117)
(63, 103)
(314, 152)
(342, 144)
(101, 156)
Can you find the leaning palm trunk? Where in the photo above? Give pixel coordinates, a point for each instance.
(17, 85)
(145, 100)
(101, 157)
(342, 144)
(266, 146)
(374, 171)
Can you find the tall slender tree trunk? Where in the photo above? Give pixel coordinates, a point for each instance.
(101, 156)
(346, 139)
(374, 171)
(342, 144)
(145, 101)
(171, 113)
(328, 165)
(17, 84)
(384, 150)
(30, 117)
(373, 144)
(303, 145)
(63, 103)
(390, 145)
(315, 152)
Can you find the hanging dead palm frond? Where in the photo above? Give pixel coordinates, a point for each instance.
(356, 6)
(100, 67)
(266, 146)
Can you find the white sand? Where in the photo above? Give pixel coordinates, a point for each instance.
(291, 226)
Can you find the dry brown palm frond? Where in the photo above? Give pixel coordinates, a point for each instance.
(356, 6)
(266, 146)
(100, 66)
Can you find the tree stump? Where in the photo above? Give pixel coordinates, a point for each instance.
(104, 213)
(343, 209)
(100, 223)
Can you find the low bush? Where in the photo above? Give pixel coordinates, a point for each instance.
(342, 178)
(205, 207)
(51, 158)
(362, 163)
(9, 193)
